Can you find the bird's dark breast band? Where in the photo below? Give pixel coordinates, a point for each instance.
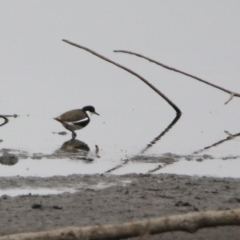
(82, 123)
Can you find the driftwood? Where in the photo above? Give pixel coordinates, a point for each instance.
(232, 94)
(190, 222)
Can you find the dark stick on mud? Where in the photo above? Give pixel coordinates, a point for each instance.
(232, 94)
(130, 71)
(5, 120)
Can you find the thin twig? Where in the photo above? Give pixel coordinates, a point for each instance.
(232, 94)
(190, 222)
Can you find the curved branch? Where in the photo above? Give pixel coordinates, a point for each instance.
(130, 71)
(5, 120)
(233, 94)
(189, 222)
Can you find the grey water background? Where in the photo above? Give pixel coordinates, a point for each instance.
(42, 77)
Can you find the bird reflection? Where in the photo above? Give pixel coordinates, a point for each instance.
(74, 149)
(74, 146)
(8, 159)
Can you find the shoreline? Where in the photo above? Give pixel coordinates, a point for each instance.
(117, 199)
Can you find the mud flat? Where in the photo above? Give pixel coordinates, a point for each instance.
(102, 199)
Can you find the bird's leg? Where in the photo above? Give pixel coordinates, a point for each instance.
(74, 135)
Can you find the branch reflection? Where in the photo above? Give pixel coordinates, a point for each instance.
(156, 139)
(230, 137)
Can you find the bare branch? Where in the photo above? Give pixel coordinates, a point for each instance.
(233, 94)
(190, 222)
(130, 71)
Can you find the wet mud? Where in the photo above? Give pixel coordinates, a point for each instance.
(105, 199)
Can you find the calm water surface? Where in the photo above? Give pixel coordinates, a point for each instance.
(42, 77)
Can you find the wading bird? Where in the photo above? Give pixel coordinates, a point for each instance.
(76, 119)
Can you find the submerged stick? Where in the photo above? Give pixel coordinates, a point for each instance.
(232, 94)
(130, 71)
(189, 222)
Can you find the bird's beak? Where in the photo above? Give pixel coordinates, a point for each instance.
(96, 113)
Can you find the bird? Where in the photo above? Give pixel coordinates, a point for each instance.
(76, 119)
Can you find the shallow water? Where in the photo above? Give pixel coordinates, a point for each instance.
(43, 77)
(213, 168)
(40, 191)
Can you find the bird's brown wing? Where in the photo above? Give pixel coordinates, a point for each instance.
(72, 116)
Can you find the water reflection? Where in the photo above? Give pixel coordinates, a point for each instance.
(154, 141)
(74, 145)
(5, 118)
(8, 159)
(74, 149)
(230, 137)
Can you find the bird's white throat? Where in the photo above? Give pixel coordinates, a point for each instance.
(88, 113)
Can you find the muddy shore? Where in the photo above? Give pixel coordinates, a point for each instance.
(102, 199)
